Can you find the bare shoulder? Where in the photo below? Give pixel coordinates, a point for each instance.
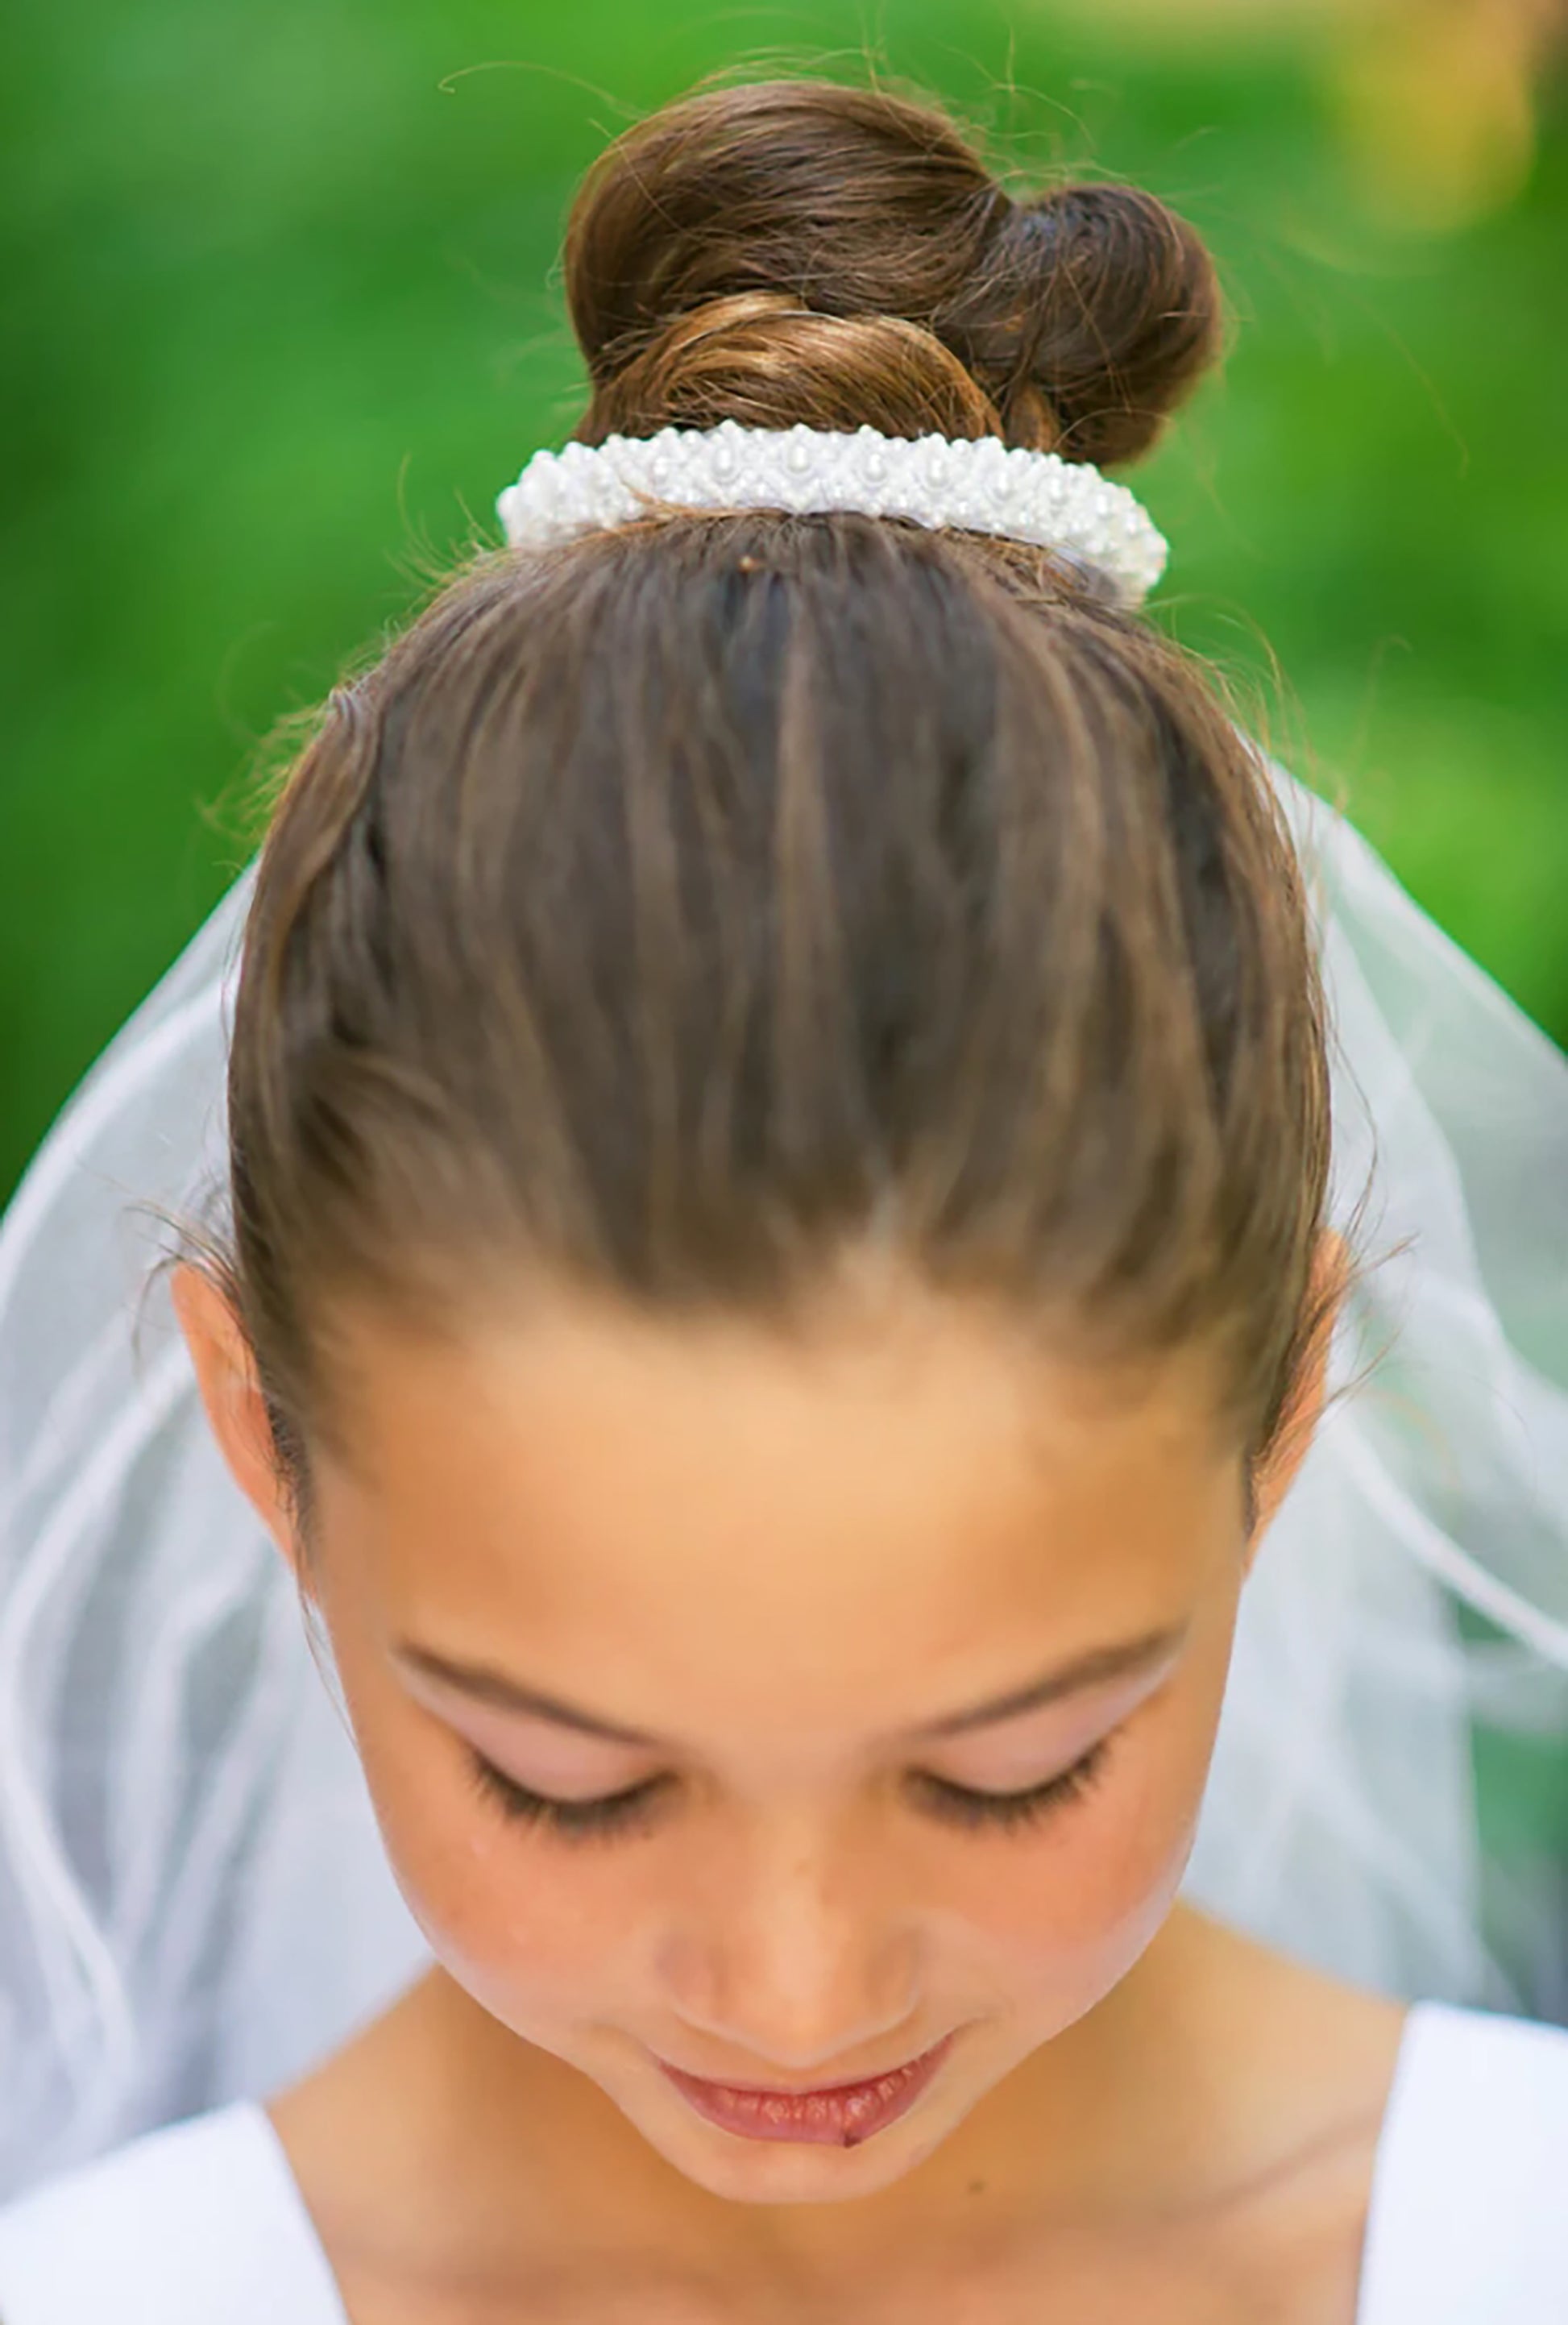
(356, 2130)
(1310, 2063)
(394, 2144)
(1331, 2046)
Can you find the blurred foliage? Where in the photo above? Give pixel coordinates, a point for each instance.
(1435, 100)
(283, 317)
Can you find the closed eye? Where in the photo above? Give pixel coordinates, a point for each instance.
(961, 1804)
(608, 1813)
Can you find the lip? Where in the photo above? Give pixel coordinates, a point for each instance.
(836, 2114)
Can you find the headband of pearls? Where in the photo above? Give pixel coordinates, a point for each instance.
(978, 484)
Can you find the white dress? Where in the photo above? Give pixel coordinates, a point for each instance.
(204, 2225)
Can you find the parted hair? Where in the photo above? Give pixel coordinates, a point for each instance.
(668, 913)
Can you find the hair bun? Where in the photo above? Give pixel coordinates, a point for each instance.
(759, 357)
(713, 247)
(1100, 300)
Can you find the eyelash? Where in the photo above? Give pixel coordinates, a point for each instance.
(606, 1818)
(614, 1813)
(1013, 1811)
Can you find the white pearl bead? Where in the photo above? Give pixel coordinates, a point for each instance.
(1037, 496)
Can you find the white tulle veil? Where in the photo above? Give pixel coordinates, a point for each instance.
(193, 1900)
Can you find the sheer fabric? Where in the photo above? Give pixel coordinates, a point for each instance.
(194, 1903)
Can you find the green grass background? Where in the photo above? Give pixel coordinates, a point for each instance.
(283, 317)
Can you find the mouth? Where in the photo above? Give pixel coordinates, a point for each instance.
(838, 2115)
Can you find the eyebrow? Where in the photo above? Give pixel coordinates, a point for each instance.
(483, 1684)
(1127, 1659)
(1096, 1667)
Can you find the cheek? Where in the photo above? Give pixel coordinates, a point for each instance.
(523, 1924)
(1061, 1914)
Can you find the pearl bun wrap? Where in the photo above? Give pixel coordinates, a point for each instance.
(977, 485)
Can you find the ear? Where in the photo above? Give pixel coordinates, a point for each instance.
(236, 1410)
(1276, 1472)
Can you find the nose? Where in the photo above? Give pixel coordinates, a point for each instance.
(790, 1963)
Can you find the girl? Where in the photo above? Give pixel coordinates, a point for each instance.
(778, 1268)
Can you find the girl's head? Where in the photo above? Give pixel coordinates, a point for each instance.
(778, 1136)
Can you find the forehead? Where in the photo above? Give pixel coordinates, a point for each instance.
(903, 1500)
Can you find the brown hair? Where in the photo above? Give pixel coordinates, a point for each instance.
(670, 911)
(879, 274)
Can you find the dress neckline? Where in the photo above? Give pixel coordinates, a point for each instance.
(1466, 2218)
(1381, 2298)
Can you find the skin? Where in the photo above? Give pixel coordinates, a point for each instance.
(806, 1576)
